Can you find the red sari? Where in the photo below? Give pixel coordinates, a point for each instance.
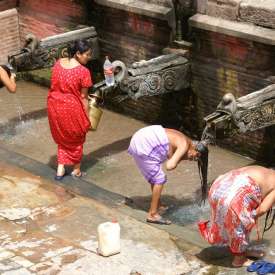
(68, 119)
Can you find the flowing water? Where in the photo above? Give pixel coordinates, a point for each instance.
(19, 108)
(189, 214)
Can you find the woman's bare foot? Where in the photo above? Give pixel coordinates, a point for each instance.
(255, 253)
(240, 261)
(60, 170)
(162, 209)
(157, 219)
(76, 170)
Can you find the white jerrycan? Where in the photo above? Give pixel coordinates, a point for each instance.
(108, 234)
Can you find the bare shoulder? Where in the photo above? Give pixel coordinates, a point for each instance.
(260, 174)
(176, 136)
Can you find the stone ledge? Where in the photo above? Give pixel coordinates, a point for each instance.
(236, 29)
(261, 13)
(139, 7)
(8, 13)
(83, 33)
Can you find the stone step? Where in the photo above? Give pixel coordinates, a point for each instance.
(155, 9)
(235, 29)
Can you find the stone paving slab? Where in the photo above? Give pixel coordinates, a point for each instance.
(60, 236)
(71, 221)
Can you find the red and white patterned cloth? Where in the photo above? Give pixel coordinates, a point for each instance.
(68, 120)
(233, 199)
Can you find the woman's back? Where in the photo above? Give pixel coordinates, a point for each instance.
(69, 77)
(264, 177)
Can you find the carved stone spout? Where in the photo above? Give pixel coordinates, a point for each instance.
(247, 113)
(164, 74)
(42, 54)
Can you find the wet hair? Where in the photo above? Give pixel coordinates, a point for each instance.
(201, 147)
(81, 46)
(6, 68)
(270, 215)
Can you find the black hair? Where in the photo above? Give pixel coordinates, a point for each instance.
(270, 214)
(202, 148)
(6, 68)
(81, 46)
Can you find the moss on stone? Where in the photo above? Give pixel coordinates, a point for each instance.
(41, 77)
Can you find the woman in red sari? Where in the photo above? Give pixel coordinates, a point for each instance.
(68, 106)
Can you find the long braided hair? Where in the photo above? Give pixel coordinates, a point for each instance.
(202, 148)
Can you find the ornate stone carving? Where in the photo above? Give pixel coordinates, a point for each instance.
(164, 74)
(247, 113)
(42, 54)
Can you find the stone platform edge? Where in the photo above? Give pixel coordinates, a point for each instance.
(231, 28)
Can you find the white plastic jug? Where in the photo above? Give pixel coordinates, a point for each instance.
(108, 234)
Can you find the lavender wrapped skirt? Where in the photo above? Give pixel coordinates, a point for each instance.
(149, 147)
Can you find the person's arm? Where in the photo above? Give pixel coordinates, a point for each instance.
(266, 204)
(180, 151)
(9, 82)
(84, 98)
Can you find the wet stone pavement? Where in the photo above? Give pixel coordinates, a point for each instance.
(44, 229)
(48, 228)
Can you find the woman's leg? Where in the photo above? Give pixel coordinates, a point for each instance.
(238, 244)
(76, 170)
(241, 260)
(60, 170)
(156, 193)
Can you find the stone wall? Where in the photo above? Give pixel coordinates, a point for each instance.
(9, 29)
(129, 35)
(234, 52)
(7, 4)
(132, 33)
(48, 17)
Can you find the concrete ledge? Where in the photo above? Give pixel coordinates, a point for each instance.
(138, 7)
(236, 29)
(8, 13)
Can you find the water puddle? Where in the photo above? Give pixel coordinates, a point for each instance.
(189, 214)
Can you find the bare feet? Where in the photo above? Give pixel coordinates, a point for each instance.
(157, 219)
(60, 170)
(162, 209)
(240, 261)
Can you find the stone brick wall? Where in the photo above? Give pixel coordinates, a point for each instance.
(9, 29)
(131, 37)
(128, 36)
(48, 17)
(7, 4)
(223, 64)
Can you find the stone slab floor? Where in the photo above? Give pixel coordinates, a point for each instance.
(24, 129)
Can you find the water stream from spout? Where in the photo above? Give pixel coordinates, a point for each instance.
(208, 135)
(19, 107)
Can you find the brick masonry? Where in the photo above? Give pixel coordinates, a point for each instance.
(7, 4)
(9, 29)
(48, 17)
(223, 64)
